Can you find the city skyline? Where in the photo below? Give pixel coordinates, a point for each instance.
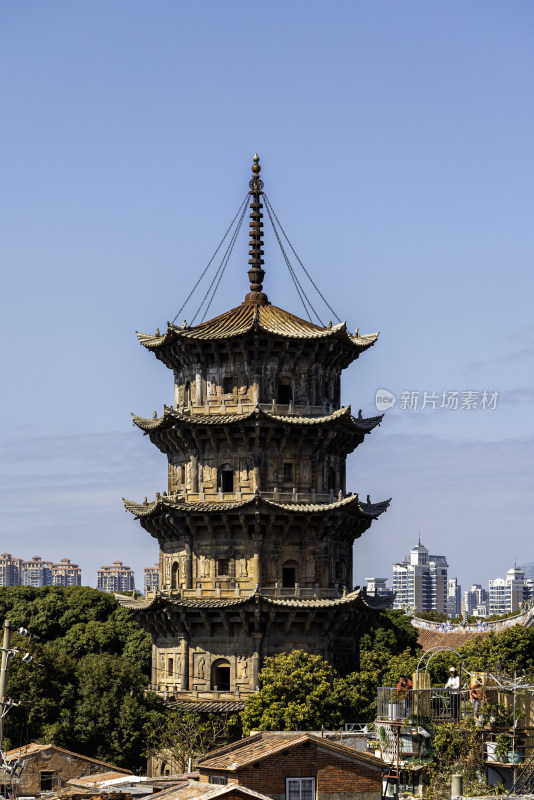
(396, 148)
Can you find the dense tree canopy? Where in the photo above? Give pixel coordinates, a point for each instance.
(86, 686)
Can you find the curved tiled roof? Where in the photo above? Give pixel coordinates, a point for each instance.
(163, 599)
(267, 318)
(350, 503)
(170, 415)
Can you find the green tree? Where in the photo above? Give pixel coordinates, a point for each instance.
(300, 691)
(86, 686)
(181, 734)
(391, 633)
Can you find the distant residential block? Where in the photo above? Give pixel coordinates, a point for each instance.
(10, 569)
(66, 574)
(454, 597)
(151, 580)
(376, 587)
(475, 602)
(116, 578)
(420, 581)
(36, 572)
(508, 594)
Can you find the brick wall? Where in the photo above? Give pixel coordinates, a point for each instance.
(334, 774)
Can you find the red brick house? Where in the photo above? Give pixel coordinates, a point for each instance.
(295, 766)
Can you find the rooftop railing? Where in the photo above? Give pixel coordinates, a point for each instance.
(437, 704)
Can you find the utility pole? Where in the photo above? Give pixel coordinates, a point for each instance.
(3, 677)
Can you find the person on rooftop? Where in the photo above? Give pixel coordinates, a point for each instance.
(453, 685)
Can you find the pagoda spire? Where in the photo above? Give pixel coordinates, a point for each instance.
(256, 272)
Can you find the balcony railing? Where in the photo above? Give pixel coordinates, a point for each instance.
(437, 704)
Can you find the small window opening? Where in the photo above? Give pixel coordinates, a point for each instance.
(288, 473)
(170, 667)
(285, 393)
(289, 575)
(228, 385)
(222, 780)
(223, 566)
(187, 394)
(47, 781)
(226, 479)
(220, 676)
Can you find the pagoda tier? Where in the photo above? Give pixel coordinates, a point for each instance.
(259, 450)
(227, 548)
(193, 635)
(233, 363)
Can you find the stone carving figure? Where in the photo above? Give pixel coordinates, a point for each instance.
(201, 665)
(206, 568)
(244, 568)
(242, 664)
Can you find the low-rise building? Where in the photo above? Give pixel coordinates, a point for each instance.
(37, 769)
(295, 766)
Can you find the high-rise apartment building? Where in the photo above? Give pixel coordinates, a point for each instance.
(420, 581)
(507, 594)
(116, 578)
(36, 572)
(475, 602)
(454, 597)
(10, 569)
(151, 578)
(66, 574)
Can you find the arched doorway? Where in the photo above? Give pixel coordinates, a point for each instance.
(220, 675)
(175, 575)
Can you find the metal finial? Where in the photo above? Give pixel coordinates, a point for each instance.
(256, 273)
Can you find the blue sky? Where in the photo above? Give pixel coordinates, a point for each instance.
(396, 145)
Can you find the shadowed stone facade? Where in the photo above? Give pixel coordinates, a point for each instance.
(256, 527)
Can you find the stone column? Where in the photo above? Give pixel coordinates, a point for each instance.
(256, 565)
(188, 565)
(154, 670)
(194, 474)
(184, 677)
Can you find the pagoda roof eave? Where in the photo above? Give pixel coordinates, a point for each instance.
(356, 597)
(350, 503)
(170, 416)
(267, 319)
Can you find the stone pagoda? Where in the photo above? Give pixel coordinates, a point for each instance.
(256, 528)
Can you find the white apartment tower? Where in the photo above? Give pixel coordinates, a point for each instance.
(506, 594)
(420, 581)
